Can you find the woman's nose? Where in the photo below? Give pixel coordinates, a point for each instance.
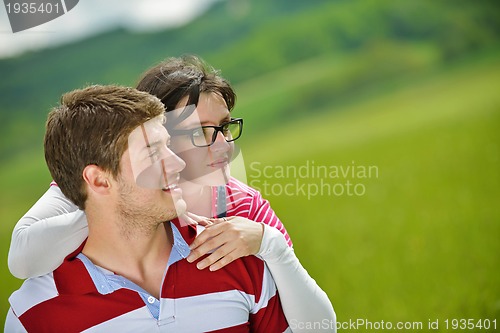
(220, 144)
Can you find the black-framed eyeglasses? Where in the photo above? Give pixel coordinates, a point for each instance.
(205, 136)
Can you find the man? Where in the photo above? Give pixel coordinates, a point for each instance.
(107, 149)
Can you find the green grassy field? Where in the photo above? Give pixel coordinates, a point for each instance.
(420, 243)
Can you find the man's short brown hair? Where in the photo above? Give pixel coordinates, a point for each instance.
(91, 126)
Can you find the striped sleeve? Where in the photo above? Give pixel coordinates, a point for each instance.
(247, 202)
(261, 211)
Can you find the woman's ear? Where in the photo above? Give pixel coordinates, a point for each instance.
(96, 179)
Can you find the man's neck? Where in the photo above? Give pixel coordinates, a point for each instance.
(140, 257)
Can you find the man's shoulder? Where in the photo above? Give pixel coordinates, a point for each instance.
(33, 291)
(67, 300)
(69, 278)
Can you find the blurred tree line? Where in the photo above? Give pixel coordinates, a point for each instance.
(333, 51)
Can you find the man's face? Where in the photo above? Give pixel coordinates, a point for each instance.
(204, 165)
(150, 173)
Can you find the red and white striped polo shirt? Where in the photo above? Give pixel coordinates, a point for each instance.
(81, 297)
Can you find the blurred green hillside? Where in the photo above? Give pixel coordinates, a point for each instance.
(410, 88)
(421, 241)
(352, 47)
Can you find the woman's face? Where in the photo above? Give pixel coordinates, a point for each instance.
(207, 166)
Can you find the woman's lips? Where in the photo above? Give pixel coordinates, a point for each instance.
(219, 163)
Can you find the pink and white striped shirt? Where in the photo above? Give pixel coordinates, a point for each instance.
(244, 201)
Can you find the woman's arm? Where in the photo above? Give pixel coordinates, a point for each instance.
(302, 299)
(45, 235)
(245, 201)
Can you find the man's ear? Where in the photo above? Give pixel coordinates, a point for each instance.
(96, 179)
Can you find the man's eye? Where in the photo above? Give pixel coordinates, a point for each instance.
(153, 154)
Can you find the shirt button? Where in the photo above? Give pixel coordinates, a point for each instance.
(151, 299)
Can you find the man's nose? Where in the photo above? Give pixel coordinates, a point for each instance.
(173, 163)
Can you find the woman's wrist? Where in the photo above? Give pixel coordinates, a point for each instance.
(273, 244)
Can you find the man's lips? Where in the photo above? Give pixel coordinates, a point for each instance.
(174, 185)
(170, 187)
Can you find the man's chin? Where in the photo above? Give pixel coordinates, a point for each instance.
(175, 207)
(180, 206)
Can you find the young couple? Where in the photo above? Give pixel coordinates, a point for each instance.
(144, 229)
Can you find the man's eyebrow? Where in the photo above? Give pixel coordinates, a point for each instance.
(151, 144)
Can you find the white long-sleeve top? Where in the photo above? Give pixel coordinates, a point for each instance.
(53, 228)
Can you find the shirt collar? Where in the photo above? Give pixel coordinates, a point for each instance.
(187, 230)
(78, 275)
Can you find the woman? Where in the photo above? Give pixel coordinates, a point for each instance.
(198, 102)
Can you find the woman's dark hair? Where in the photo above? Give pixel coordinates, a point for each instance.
(175, 78)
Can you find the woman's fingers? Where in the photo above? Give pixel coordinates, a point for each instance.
(201, 220)
(207, 241)
(215, 257)
(228, 241)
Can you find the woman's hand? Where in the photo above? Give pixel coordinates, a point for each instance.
(229, 238)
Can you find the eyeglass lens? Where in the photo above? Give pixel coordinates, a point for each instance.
(231, 132)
